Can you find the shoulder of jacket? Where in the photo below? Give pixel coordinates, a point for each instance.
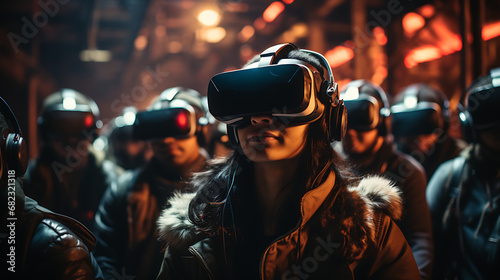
(409, 163)
(53, 236)
(175, 229)
(380, 195)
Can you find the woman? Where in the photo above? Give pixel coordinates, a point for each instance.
(280, 207)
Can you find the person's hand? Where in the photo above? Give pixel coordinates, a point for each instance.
(142, 212)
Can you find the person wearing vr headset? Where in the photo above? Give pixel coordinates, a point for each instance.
(464, 193)
(118, 143)
(420, 121)
(125, 223)
(281, 206)
(368, 146)
(68, 176)
(36, 243)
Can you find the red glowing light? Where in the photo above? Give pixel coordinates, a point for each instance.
(379, 34)
(427, 10)
(491, 31)
(259, 23)
(181, 120)
(339, 55)
(88, 121)
(273, 11)
(413, 22)
(422, 54)
(288, 1)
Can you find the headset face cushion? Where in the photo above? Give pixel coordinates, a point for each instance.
(283, 91)
(423, 119)
(363, 113)
(168, 122)
(69, 123)
(482, 105)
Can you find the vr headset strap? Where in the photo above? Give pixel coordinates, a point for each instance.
(273, 54)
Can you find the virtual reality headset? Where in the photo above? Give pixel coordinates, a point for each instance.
(167, 122)
(285, 91)
(363, 113)
(69, 123)
(422, 119)
(482, 105)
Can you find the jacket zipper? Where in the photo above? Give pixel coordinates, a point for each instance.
(261, 265)
(200, 258)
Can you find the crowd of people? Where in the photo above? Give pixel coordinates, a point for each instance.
(277, 174)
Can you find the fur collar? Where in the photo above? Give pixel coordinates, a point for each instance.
(377, 195)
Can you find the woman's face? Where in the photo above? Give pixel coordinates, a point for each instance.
(267, 139)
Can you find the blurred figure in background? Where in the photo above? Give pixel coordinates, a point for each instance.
(369, 147)
(125, 225)
(68, 176)
(119, 145)
(41, 244)
(464, 193)
(421, 119)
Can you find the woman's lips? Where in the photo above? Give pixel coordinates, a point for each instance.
(261, 137)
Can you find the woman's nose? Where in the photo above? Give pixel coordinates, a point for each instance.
(265, 120)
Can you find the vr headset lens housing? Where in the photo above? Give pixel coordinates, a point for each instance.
(70, 123)
(169, 122)
(423, 119)
(283, 91)
(482, 105)
(363, 113)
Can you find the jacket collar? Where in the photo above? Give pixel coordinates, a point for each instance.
(313, 199)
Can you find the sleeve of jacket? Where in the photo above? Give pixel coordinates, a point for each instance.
(110, 228)
(394, 258)
(55, 252)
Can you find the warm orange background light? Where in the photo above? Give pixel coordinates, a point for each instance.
(259, 23)
(412, 22)
(273, 11)
(491, 31)
(379, 34)
(422, 54)
(427, 10)
(339, 55)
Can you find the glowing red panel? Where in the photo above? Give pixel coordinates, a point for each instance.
(88, 121)
(181, 120)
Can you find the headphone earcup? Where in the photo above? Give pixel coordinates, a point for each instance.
(16, 153)
(337, 122)
(467, 127)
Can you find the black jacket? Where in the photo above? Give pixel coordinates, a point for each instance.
(465, 206)
(308, 251)
(125, 222)
(43, 182)
(47, 245)
(410, 178)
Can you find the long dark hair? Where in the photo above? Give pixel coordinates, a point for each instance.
(213, 186)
